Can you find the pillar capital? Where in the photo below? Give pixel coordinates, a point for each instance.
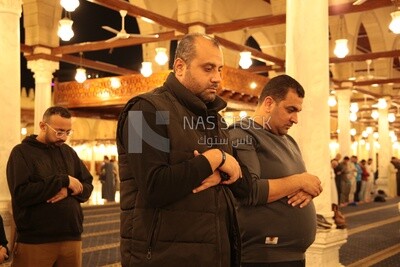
(344, 94)
(346, 84)
(11, 6)
(43, 69)
(194, 10)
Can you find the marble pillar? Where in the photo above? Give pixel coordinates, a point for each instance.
(313, 130)
(385, 149)
(43, 74)
(10, 91)
(194, 11)
(372, 149)
(344, 124)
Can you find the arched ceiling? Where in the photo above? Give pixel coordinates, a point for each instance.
(232, 22)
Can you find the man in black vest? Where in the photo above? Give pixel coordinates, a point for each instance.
(176, 169)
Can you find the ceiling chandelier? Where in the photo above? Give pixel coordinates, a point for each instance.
(341, 50)
(245, 60)
(146, 69)
(65, 31)
(69, 5)
(394, 25)
(161, 56)
(80, 75)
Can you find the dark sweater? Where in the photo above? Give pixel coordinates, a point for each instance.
(291, 230)
(35, 173)
(3, 237)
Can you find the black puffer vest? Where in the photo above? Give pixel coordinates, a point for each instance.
(200, 229)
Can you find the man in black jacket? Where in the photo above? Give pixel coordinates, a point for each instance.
(176, 169)
(47, 182)
(4, 254)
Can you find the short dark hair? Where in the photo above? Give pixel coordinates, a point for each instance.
(279, 86)
(186, 49)
(56, 110)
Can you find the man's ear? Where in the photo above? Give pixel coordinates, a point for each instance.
(42, 126)
(179, 66)
(268, 104)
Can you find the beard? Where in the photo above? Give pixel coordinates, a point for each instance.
(207, 93)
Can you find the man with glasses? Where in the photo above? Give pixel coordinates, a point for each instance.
(47, 182)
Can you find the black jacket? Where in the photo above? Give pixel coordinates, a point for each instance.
(3, 237)
(162, 222)
(35, 173)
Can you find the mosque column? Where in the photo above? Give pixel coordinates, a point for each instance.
(371, 144)
(10, 102)
(385, 144)
(194, 11)
(344, 124)
(43, 74)
(307, 54)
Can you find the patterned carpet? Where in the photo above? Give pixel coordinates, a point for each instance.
(373, 235)
(101, 236)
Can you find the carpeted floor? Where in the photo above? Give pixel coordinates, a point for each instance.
(373, 235)
(101, 236)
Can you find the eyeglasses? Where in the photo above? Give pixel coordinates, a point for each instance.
(60, 134)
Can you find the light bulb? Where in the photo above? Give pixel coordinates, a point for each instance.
(364, 134)
(80, 75)
(115, 83)
(146, 69)
(242, 114)
(69, 5)
(245, 60)
(391, 117)
(65, 31)
(161, 56)
(375, 114)
(382, 103)
(394, 25)
(354, 107)
(353, 117)
(341, 49)
(332, 101)
(369, 130)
